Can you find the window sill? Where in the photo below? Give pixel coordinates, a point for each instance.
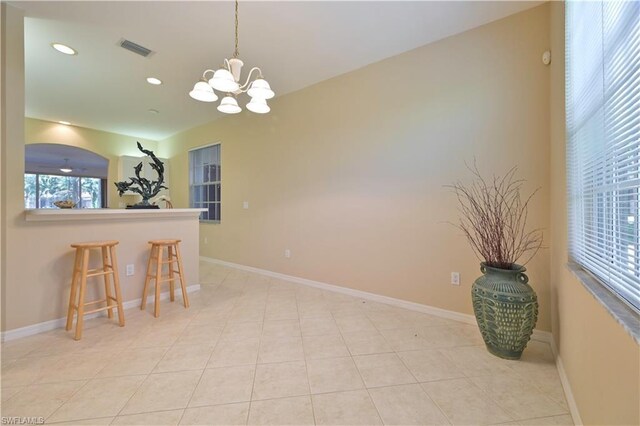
(626, 316)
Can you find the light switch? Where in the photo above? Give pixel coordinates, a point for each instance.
(245, 205)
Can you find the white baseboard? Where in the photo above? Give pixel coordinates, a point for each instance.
(539, 335)
(566, 386)
(41, 327)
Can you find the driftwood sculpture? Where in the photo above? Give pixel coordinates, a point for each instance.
(143, 186)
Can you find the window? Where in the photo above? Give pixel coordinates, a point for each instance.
(603, 153)
(204, 181)
(41, 191)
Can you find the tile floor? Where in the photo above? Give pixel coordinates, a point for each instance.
(264, 351)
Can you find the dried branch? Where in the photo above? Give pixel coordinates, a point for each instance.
(493, 217)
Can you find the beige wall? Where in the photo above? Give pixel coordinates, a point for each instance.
(3, 128)
(601, 360)
(109, 145)
(348, 174)
(12, 136)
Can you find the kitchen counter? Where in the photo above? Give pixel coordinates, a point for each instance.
(42, 215)
(43, 283)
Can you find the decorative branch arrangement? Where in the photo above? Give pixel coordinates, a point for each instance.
(494, 219)
(146, 188)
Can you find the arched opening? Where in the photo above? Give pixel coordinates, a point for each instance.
(64, 176)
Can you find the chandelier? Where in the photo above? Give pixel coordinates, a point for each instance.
(227, 80)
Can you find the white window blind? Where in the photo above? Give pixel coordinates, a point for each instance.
(205, 181)
(603, 153)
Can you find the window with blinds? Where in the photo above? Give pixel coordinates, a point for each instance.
(603, 153)
(204, 181)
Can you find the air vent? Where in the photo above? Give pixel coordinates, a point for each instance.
(135, 48)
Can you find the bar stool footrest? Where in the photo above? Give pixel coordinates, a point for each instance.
(93, 302)
(100, 309)
(97, 274)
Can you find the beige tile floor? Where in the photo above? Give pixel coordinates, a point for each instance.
(264, 351)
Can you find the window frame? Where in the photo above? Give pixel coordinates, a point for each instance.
(103, 187)
(218, 182)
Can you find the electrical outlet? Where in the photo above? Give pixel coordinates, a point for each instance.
(245, 205)
(287, 253)
(455, 278)
(130, 270)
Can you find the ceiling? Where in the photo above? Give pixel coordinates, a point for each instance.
(296, 44)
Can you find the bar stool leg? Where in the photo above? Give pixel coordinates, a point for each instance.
(74, 288)
(181, 275)
(147, 279)
(116, 284)
(83, 286)
(171, 275)
(156, 309)
(107, 286)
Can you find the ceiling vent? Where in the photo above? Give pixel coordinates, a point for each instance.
(135, 48)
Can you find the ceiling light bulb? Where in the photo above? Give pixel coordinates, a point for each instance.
(260, 89)
(229, 105)
(66, 123)
(223, 81)
(154, 81)
(203, 92)
(62, 48)
(258, 105)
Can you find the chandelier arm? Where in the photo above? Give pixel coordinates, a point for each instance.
(204, 74)
(242, 88)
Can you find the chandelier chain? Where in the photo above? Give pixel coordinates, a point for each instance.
(236, 52)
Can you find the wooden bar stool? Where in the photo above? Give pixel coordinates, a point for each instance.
(154, 271)
(81, 272)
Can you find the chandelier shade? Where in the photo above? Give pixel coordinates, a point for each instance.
(258, 105)
(227, 80)
(203, 92)
(66, 168)
(223, 81)
(260, 89)
(229, 105)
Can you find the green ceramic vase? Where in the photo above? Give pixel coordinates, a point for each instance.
(506, 308)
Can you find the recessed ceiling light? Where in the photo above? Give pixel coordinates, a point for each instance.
(154, 81)
(62, 48)
(66, 123)
(154, 111)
